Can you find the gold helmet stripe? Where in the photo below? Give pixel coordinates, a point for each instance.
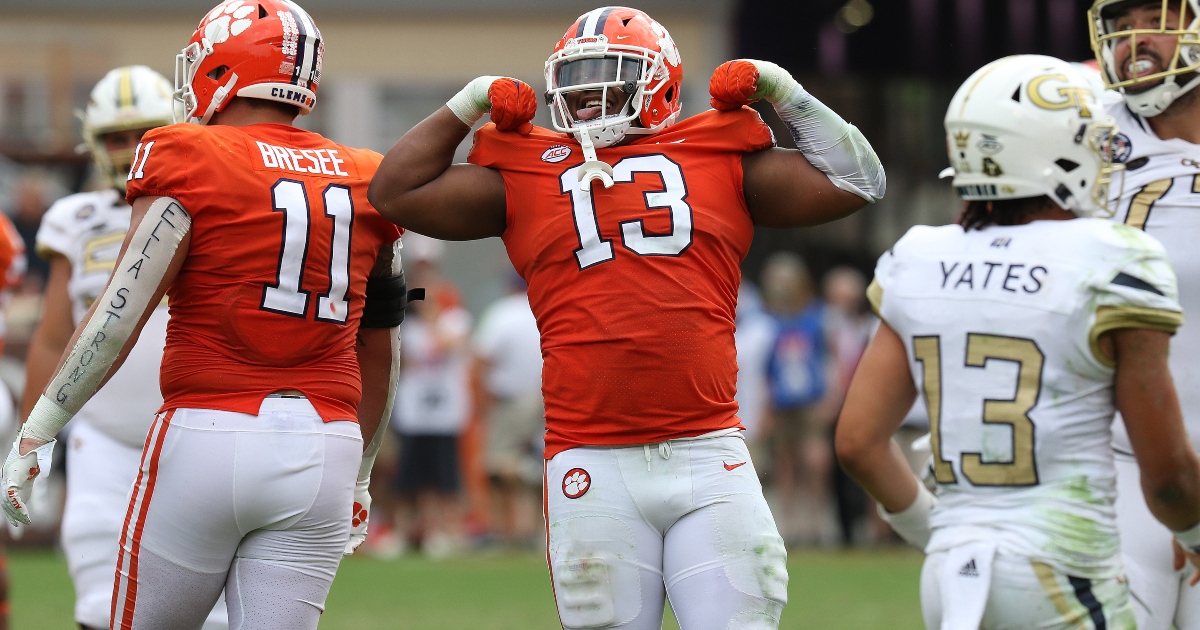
(125, 89)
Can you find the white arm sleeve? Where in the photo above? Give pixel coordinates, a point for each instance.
(114, 321)
(827, 141)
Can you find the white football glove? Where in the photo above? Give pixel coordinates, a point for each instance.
(19, 473)
(361, 513)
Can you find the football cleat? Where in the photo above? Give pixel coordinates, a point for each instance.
(267, 49)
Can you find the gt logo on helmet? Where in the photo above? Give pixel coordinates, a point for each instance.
(1073, 96)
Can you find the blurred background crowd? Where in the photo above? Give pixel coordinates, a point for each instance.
(462, 467)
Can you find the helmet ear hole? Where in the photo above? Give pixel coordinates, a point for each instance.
(1066, 165)
(216, 73)
(262, 12)
(670, 93)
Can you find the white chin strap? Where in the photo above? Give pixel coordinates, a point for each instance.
(222, 93)
(1157, 99)
(592, 137)
(592, 167)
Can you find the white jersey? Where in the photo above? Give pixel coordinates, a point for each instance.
(1002, 327)
(88, 228)
(1161, 195)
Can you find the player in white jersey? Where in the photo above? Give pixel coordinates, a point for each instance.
(1159, 144)
(1144, 53)
(1024, 330)
(81, 236)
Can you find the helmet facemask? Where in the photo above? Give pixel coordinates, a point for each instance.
(1030, 126)
(616, 82)
(128, 99)
(1101, 137)
(1149, 94)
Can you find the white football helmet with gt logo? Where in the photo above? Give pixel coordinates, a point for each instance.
(1030, 125)
(127, 98)
(1113, 41)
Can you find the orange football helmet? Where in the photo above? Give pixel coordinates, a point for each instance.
(268, 49)
(618, 49)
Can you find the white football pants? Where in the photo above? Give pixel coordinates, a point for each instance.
(100, 472)
(1161, 595)
(685, 519)
(257, 505)
(1022, 595)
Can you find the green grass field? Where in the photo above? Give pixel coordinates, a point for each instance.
(828, 590)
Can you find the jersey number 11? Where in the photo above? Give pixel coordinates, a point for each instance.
(285, 296)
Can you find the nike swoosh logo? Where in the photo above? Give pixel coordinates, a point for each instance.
(622, 37)
(731, 467)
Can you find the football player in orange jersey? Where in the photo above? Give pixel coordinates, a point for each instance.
(12, 271)
(285, 298)
(649, 489)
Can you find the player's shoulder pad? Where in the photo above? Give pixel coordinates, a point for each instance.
(494, 148)
(1118, 238)
(925, 239)
(741, 130)
(80, 210)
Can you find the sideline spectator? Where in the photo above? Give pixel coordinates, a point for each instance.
(796, 377)
(33, 194)
(432, 407)
(509, 367)
(753, 339)
(849, 324)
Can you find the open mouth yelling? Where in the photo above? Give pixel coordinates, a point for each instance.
(589, 105)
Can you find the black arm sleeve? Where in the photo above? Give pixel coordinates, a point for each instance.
(386, 300)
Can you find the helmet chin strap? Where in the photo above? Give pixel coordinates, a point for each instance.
(1157, 99)
(592, 167)
(219, 97)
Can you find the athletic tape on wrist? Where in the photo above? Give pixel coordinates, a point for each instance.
(1190, 538)
(912, 523)
(120, 309)
(471, 102)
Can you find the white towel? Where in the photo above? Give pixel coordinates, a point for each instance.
(966, 579)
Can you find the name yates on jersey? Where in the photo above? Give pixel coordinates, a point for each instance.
(317, 161)
(977, 275)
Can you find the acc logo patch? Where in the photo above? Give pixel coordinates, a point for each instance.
(556, 153)
(989, 145)
(85, 212)
(576, 483)
(1122, 148)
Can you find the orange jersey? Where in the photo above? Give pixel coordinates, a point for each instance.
(12, 265)
(634, 287)
(272, 289)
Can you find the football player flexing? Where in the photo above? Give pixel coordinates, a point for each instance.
(1024, 328)
(81, 236)
(1149, 52)
(285, 297)
(629, 226)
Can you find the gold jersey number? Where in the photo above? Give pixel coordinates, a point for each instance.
(1021, 470)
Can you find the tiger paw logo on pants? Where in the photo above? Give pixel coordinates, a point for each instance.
(576, 483)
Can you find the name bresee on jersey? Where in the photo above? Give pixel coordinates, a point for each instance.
(1002, 328)
(1159, 192)
(317, 161)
